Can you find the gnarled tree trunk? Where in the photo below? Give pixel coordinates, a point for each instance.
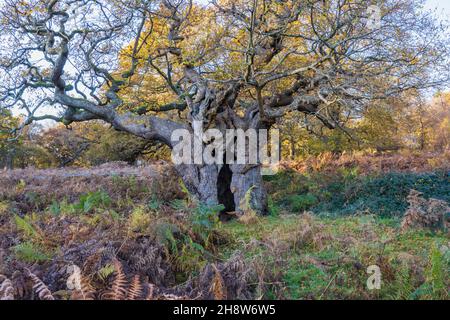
(236, 186)
(228, 185)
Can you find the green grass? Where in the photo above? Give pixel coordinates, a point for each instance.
(331, 262)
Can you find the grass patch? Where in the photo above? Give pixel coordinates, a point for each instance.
(331, 261)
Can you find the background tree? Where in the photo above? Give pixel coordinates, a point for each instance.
(66, 146)
(231, 64)
(7, 143)
(94, 143)
(20, 151)
(426, 125)
(112, 145)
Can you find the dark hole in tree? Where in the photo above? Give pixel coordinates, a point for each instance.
(224, 194)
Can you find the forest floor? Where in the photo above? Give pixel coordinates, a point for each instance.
(117, 232)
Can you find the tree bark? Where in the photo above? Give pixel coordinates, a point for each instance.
(248, 180)
(228, 185)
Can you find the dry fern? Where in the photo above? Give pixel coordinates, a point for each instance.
(6, 289)
(21, 284)
(136, 289)
(85, 292)
(170, 296)
(40, 288)
(218, 288)
(119, 286)
(423, 213)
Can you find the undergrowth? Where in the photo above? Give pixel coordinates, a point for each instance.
(346, 192)
(323, 232)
